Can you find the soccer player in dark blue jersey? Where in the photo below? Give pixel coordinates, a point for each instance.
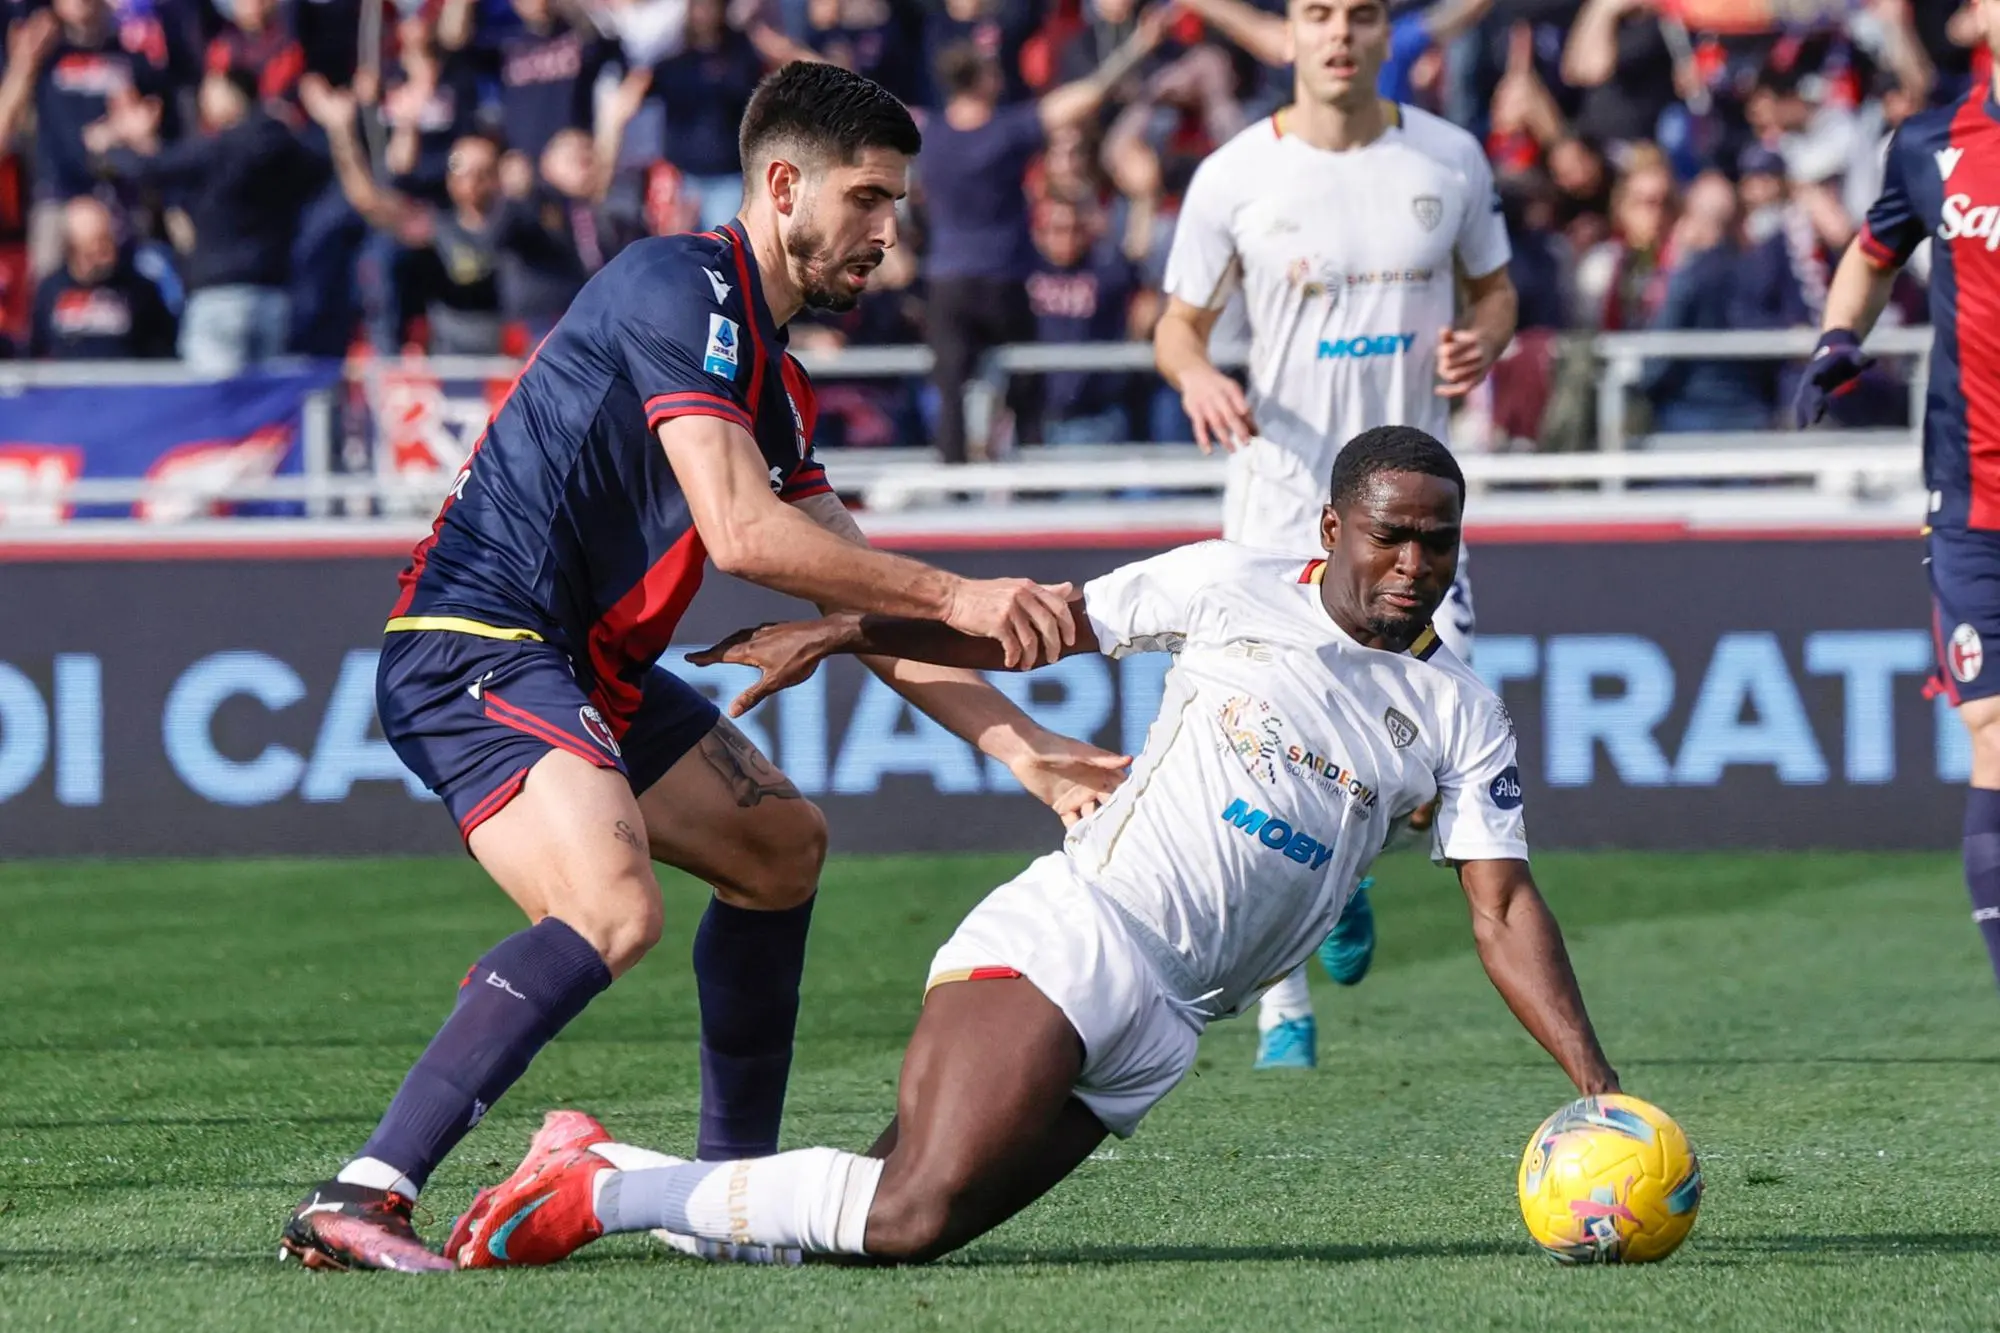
(1941, 182)
(660, 425)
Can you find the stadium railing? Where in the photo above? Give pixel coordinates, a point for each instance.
(1822, 477)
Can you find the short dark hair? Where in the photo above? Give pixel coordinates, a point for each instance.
(1391, 449)
(961, 67)
(823, 108)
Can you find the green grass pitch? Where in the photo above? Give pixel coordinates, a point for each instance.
(184, 1047)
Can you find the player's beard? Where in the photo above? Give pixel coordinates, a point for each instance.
(821, 270)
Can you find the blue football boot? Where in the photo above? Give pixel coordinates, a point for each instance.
(1293, 1044)
(1347, 951)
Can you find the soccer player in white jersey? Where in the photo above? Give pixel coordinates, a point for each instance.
(1310, 709)
(1349, 223)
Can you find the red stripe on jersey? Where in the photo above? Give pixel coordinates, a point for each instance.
(809, 478)
(992, 974)
(805, 485)
(799, 385)
(415, 569)
(1311, 571)
(1975, 181)
(1881, 255)
(670, 405)
(757, 353)
(636, 629)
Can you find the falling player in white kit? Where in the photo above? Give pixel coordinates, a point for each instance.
(1348, 222)
(1310, 709)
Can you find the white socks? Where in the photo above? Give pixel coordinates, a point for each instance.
(1289, 999)
(375, 1174)
(815, 1200)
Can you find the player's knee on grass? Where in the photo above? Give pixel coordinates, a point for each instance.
(781, 865)
(917, 1217)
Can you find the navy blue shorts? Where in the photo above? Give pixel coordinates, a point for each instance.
(1965, 611)
(471, 715)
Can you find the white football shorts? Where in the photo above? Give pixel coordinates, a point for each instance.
(1055, 931)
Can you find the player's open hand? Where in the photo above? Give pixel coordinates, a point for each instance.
(784, 654)
(1214, 402)
(1031, 620)
(1463, 361)
(1068, 776)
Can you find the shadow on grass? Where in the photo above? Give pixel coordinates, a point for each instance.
(1753, 1061)
(1732, 1252)
(1002, 1257)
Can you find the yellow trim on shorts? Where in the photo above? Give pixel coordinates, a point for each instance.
(459, 625)
(944, 978)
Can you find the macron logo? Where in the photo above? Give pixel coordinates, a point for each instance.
(1947, 160)
(716, 285)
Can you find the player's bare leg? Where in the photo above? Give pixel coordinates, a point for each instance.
(569, 850)
(726, 814)
(985, 1124)
(1982, 820)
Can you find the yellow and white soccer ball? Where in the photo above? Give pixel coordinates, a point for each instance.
(1609, 1180)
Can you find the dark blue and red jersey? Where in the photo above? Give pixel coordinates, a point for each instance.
(567, 524)
(1942, 181)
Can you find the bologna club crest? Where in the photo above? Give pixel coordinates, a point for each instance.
(1965, 654)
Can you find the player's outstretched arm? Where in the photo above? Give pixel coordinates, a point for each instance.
(1521, 948)
(751, 533)
(1069, 776)
(790, 652)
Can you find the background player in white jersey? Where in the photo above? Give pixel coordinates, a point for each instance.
(1310, 709)
(1349, 223)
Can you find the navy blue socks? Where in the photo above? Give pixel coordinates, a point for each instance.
(747, 967)
(1982, 866)
(510, 1005)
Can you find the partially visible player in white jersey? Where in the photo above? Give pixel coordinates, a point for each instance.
(1349, 223)
(1310, 710)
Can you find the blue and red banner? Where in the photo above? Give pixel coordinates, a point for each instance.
(186, 442)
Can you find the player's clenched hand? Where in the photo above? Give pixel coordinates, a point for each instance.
(1068, 776)
(1463, 361)
(784, 654)
(1215, 404)
(1031, 620)
(1837, 362)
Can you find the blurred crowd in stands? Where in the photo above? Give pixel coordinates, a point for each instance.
(231, 180)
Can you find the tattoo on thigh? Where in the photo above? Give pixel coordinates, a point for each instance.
(625, 834)
(751, 777)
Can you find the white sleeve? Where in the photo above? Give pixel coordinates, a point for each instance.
(1201, 265)
(1144, 607)
(1482, 237)
(1479, 789)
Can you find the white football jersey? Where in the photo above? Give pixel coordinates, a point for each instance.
(1284, 755)
(1348, 266)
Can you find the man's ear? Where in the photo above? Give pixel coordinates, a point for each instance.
(783, 180)
(1329, 527)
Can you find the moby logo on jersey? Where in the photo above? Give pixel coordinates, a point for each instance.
(1363, 346)
(1276, 834)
